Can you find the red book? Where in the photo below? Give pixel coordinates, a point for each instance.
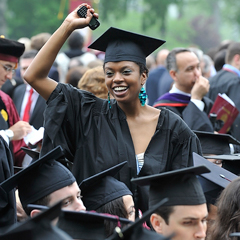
(225, 110)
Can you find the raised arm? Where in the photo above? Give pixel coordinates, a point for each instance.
(37, 73)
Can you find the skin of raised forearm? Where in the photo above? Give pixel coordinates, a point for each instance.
(36, 74)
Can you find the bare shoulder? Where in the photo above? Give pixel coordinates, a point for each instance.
(152, 112)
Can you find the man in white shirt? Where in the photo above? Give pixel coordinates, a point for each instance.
(25, 97)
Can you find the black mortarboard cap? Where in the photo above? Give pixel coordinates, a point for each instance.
(213, 143)
(180, 186)
(40, 178)
(120, 45)
(32, 153)
(102, 188)
(38, 227)
(231, 162)
(135, 230)
(10, 50)
(214, 182)
(86, 225)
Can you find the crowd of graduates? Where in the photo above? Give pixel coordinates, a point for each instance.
(130, 149)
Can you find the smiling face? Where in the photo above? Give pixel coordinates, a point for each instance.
(4, 74)
(187, 222)
(188, 71)
(124, 81)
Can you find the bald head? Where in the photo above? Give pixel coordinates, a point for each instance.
(161, 56)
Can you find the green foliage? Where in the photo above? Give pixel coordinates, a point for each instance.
(27, 18)
(110, 8)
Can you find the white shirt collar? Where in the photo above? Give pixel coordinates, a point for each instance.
(176, 90)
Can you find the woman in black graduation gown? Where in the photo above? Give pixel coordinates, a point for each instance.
(97, 134)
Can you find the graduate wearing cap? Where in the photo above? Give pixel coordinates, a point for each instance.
(97, 134)
(216, 144)
(13, 128)
(185, 212)
(44, 182)
(213, 183)
(38, 228)
(105, 194)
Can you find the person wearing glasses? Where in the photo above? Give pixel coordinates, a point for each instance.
(11, 128)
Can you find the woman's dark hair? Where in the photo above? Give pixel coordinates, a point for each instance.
(165, 212)
(228, 213)
(115, 207)
(142, 67)
(43, 201)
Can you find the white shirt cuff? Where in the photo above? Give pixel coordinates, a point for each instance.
(5, 137)
(199, 104)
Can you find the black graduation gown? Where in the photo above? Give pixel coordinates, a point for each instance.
(229, 83)
(95, 137)
(8, 213)
(181, 105)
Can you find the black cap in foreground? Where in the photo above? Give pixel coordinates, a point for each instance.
(38, 227)
(86, 225)
(231, 162)
(215, 181)
(136, 231)
(40, 178)
(180, 186)
(120, 45)
(103, 188)
(32, 153)
(10, 50)
(213, 143)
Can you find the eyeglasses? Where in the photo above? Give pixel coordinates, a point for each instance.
(8, 69)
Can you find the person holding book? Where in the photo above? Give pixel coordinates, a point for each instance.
(97, 134)
(228, 81)
(187, 96)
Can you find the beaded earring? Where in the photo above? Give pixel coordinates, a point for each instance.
(109, 102)
(142, 96)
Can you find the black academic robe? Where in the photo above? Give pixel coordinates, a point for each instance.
(95, 138)
(229, 83)
(181, 105)
(8, 213)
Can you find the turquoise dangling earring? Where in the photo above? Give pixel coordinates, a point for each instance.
(109, 102)
(142, 96)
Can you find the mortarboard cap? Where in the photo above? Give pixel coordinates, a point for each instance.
(86, 225)
(231, 162)
(120, 45)
(180, 186)
(102, 188)
(10, 50)
(214, 182)
(213, 143)
(35, 155)
(136, 231)
(32, 153)
(40, 178)
(38, 227)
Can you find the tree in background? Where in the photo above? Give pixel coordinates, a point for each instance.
(26, 18)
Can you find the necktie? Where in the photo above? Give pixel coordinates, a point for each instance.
(26, 115)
